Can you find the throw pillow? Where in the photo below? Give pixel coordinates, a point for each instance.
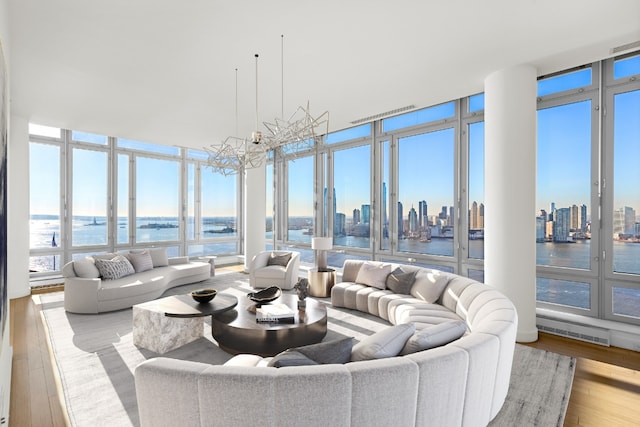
(290, 358)
(86, 268)
(159, 257)
(115, 268)
(374, 275)
(386, 343)
(429, 285)
(141, 261)
(282, 259)
(434, 336)
(337, 351)
(400, 281)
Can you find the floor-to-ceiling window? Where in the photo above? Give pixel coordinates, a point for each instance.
(587, 225)
(566, 195)
(622, 200)
(93, 194)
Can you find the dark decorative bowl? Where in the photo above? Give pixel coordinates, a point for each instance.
(203, 295)
(266, 295)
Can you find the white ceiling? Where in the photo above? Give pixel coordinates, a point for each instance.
(164, 70)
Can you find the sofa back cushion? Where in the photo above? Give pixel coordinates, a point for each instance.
(350, 270)
(429, 285)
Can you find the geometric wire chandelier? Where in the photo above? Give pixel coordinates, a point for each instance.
(291, 137)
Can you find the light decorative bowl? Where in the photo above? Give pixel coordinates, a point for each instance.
(203, 295)
(266, 295)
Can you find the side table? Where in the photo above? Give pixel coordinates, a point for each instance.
(167, 323)
(211, 259)
(321, 282)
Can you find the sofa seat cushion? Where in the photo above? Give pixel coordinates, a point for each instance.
(385, 306)
(344, 294)
(272, 272)
(424, 315)
(133, 285)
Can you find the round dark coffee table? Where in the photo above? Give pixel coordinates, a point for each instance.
(237, 331)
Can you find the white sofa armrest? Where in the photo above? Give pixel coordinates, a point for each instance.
(178, 260)
(81, 295)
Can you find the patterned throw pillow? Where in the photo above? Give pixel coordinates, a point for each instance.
(114, 268)
(282, 259)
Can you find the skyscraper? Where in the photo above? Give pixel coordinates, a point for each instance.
(562, 225)
(422, 214)
(366, 214)
(413, 221)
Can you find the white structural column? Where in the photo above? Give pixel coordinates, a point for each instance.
(18, 206)
(510, 190)
(255, 202)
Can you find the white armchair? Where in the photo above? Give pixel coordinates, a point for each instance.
(274, 268)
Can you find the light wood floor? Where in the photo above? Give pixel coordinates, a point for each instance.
(606, 387)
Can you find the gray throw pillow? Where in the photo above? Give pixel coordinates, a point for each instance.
(141, 261)
(386, 343)
(337, 351)
(115, 268)
(290, 358)
(282, 259)
(400, 281)
(434, 336)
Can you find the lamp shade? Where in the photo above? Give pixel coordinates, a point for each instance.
(322, 243)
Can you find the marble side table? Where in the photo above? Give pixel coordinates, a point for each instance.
(167, 323)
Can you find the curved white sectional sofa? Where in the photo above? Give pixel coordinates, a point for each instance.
(90, 295)
(463, 383)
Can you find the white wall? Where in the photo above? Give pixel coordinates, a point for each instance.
(6, 351)
(18, 227)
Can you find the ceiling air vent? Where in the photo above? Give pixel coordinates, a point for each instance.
(385, 114)
(624, 47)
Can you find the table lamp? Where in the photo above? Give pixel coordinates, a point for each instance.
(321, 245)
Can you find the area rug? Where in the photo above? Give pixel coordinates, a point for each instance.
(95, 359)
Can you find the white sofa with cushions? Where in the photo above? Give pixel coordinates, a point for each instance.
(109, 282)
(444, 361)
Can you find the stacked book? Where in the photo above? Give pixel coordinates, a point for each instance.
(280, 313)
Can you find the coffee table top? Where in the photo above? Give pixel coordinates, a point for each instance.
(236, 331)
(185, 306)
(244, 316)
